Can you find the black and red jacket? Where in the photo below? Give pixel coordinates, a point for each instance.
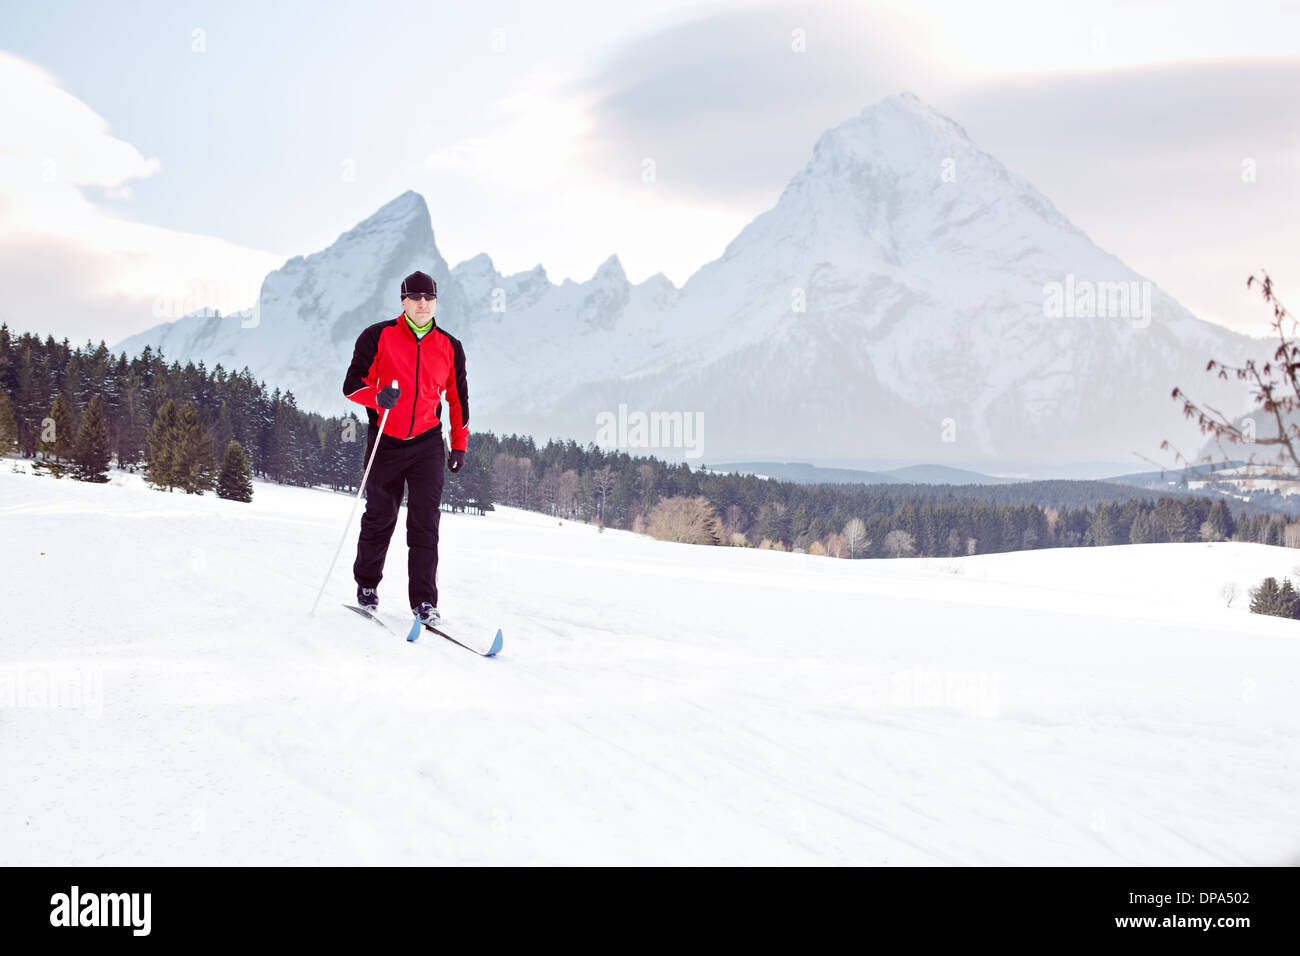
(425, 370)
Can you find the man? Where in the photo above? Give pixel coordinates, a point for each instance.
(427, 363)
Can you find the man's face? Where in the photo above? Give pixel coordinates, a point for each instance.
(420, 309)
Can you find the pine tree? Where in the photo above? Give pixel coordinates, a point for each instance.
(235, 482)
(160, 469)
(1220, 520)
(1270, 598)
(193, 465)
(133, 421)
(477, 481)
(26, 401)
(1141, 530)
(56, 440)
(281, 447)
(92, 451)
(1105, 528)
(113, 392)
(348, 455)
(223, 433)
(1288, 600)
(8, 369)
(454, 497)
(1273, 531)
(8, 425)
(74, 385)
(798, 528)
(774, 522)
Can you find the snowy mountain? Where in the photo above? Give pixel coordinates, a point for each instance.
(925, 302)
(906, 297)
(300, 335)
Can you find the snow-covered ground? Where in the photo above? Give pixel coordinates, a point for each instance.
(165, 697)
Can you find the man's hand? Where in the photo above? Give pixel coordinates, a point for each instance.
(455, 459)
(388, 397)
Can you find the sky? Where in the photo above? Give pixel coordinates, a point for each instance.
(148, 147)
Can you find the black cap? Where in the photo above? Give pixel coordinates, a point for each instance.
(418, 282)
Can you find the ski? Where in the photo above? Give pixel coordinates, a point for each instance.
(490, 652)
(414, 632)
(411, 635)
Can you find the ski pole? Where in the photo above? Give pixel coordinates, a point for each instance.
(355, 502)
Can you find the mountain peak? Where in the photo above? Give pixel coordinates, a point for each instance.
(480, 264)
(659, 280)
(897, 131)
(906, 100)
(399, 220)
(898, 175)
(611, 269)
(409, 205)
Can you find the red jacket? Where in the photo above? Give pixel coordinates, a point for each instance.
(425, 370)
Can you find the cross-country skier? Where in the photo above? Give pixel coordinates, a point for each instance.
(427, 363)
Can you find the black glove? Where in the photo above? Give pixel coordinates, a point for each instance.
(455, 459)
(388, 397)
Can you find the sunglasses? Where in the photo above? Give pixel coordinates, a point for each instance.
(421, 296)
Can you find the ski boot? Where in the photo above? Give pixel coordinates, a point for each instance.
(428, 614)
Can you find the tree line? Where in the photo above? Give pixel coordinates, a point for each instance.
(172, 421)
(281, 442)
(176, 424)
(671, 500)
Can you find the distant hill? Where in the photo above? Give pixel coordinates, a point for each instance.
(806, 473)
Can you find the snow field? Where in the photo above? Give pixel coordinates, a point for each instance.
(165, 697)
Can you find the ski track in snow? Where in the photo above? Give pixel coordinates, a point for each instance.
(165, 698)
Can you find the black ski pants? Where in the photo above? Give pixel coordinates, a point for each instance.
(418, 465)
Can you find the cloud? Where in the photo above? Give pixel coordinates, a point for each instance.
(532, 140)
(71, 267)
(533, 174)
(667, 149)
(52, 139)
(730, 105)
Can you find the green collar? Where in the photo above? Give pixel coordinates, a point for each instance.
(418, 330)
